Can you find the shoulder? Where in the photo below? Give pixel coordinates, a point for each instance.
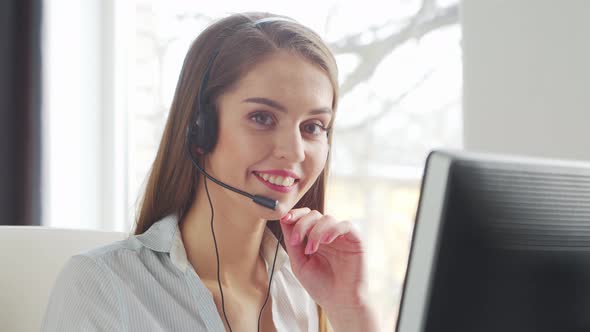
(103, 252)
(82, 298)
(113, 256)
(84, 295)
(91, 266)
(106, 266)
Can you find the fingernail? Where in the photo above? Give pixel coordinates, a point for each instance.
(295, 238)
(286, 218)
(309, 247)
(316, 246)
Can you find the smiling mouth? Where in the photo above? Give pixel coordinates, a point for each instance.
(276, 180)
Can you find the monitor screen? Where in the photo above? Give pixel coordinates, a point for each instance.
(500, 244)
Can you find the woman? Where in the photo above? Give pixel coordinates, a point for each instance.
(252, 111)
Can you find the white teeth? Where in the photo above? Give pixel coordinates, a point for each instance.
(278, 180)
(287, 181)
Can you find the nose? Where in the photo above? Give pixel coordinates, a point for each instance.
(290, 145)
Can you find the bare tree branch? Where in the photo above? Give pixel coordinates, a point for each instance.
(386, 106)
(429, 18)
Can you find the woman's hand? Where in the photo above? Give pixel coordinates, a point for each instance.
(327, 256)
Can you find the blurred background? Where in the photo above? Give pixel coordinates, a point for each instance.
(85, 88)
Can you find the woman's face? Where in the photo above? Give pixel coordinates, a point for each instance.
(272, 133)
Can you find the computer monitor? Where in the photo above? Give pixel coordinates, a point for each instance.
(500, 244)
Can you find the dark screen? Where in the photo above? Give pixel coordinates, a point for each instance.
(514, 250)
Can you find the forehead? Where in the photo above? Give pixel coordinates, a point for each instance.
(288, 78)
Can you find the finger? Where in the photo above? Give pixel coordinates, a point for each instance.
(295, 214)
(304, 225)
(289, 219)
(295, 252)
(343, 229)
(324, 227)
(350, 232)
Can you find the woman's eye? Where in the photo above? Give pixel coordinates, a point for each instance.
(314, 128)
(263, 119)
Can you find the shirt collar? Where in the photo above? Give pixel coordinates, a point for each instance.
(160, 236)
(164, 236)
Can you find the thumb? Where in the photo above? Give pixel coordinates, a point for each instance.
(295, 251)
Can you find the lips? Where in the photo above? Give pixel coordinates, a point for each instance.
(278, 180)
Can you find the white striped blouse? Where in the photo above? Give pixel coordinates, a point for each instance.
(146, 283)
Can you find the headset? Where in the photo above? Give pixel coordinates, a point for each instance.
(201, 137)
(202, 133)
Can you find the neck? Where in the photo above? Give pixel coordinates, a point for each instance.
(238, 238)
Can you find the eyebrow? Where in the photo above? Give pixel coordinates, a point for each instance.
(276, 105)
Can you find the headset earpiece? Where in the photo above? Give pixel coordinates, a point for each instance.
(192, 141)
(205, 129)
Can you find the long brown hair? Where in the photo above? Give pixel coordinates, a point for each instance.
(172, 183)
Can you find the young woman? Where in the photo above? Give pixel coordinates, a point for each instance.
(252, 112)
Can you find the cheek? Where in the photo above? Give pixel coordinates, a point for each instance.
(316, 161)
(240, 148)
(250, 147)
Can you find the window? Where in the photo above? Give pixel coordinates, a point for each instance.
(400, 72)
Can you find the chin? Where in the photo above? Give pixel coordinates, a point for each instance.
(281, 210)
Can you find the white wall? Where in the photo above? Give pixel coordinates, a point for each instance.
(527, 77)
